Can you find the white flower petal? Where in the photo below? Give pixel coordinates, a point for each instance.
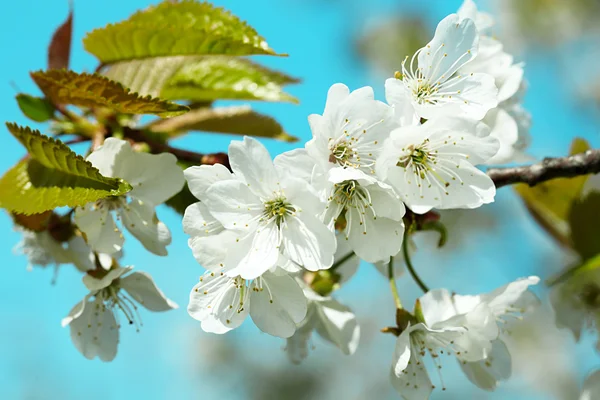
(105, 157)
(337, 324)
(402, 353)
(140, 220)
(347, 268)
(199, 178)
(198, 221)
(308, 242)
(398, 97)
(155, 177)
(486, 373)
(515, 295)
(505, 129)
(95, 332)
(300, 193)
(80, 254)
(258, 252)
(483, 21)
(473, 96)
(454, 44)
(94, 284)
(75, 312)
(251, 162)
(437, 306)
(336, 94)
(277, 305)
(142, 288)
(481, 330)
(100, 230)
(218, 303)
(211, 251)
(377, 239)
(233, 204)
(386, 202)
(296, 163)
(412, 381)
(212, 324)
(297, 344)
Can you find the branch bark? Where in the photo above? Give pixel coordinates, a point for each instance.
(549, 168)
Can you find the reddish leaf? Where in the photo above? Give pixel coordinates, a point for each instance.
(59, 50)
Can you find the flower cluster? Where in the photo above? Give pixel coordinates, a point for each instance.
(277, 237)
(93, 243)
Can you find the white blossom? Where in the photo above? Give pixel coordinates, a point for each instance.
(437, 80)
(507, 304)
(438, 330)
(221, 303)
(155, 179)
(340, 161)
(509, 123)
(433, 165)
(333, 321)
(247, 220)
(42, 249)
(93, 323)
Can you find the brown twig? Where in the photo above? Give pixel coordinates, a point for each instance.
(549, 168)
(181, 154)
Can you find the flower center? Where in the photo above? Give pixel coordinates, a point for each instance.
(278, 209)
(419, 158)
(342, 153)
(423, 92)
(351, 195)
(113, 298)
(111, 203)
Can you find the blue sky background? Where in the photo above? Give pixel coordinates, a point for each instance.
(171, 357)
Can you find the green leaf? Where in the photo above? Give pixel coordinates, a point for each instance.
(213, 78)
(550, 202)
(86, 90)
(231, 120)
(53, 176)
(173, 29)
(35, 108)
(584, 221)
(202, 79)
(147, 76)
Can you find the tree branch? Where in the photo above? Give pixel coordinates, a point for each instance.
(157, 147)
(549, 168)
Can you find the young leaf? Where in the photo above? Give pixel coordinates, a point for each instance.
(202, 78)
(550, 202)
(173, 29)
(59, 50)
(53, 176)
(87, 90)
(147, 76)
(213, 78)
(37, 109)
(233, 120)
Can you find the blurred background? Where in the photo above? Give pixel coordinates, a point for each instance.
(358, 43)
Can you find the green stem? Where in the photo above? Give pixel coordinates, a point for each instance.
(393, 286)
(342, 260)
(410, 266)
